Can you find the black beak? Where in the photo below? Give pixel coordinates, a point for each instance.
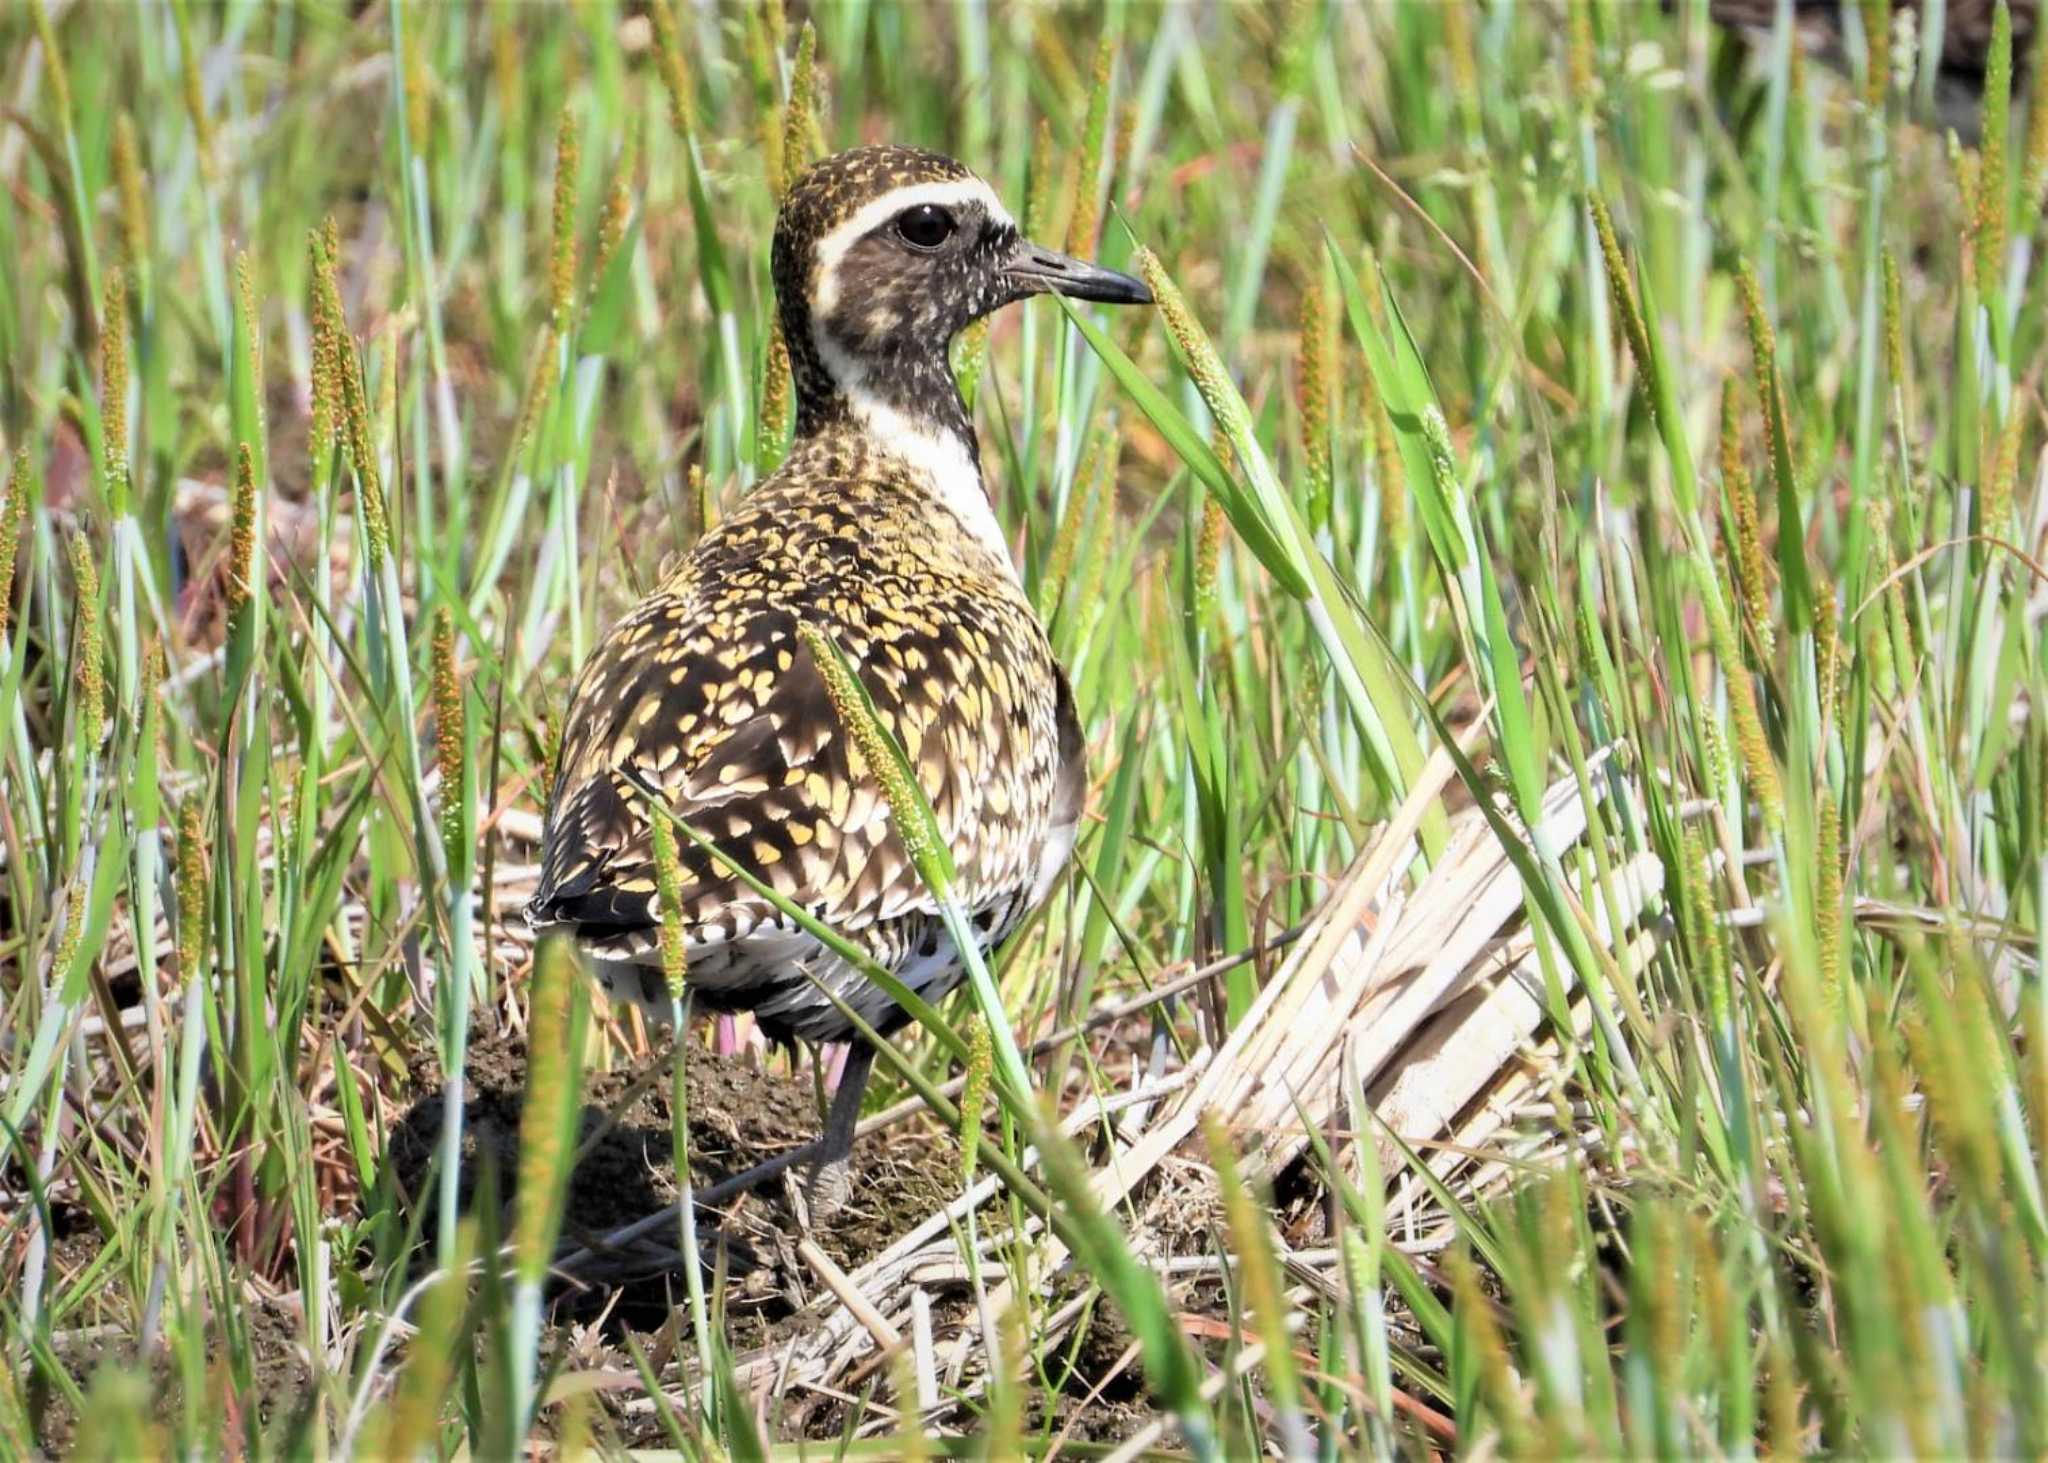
(1036, 271)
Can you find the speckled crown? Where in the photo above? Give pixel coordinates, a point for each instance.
(831, 191)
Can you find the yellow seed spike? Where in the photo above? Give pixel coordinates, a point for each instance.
(1579, 66)
(1086, 216)
(1991, 192)
(1204, 365)
(326, 384)
(90, 668)
(1314, 354)
(53, 60)
(1120, 153)
(772, 426)
(540, 382)
(970, 358)
(701, 500)
(547, 1128)
(114, 379)
(195, 98)
(12, 514)
(1622, 293)
(562, 259)
(668, 882)
(2005, 465)
(1038, 183)
(1968, 173)
(191, 886)
(1877, 37)
(1894, 320)
(1827, 642)
(362, 449)
(2034, 163)
(796, 117)
(869, 754)
(248, 322)
(419, 87)
(1209, 553)
(1750, 566)
(675, 75)
(134, 200)
(1066, 542)
(612, 224)
(241, 566)
(981, 1066)
(449, 743)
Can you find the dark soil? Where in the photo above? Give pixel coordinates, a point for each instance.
(739, 1115)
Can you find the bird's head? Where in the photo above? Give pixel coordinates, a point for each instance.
(884, 254)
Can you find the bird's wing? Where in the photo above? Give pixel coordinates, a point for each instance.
(728, 716)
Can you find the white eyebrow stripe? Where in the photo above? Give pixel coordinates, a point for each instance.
(870, 216)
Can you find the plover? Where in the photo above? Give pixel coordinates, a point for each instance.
(878, 530)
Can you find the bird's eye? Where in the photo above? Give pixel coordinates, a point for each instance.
(926, 226)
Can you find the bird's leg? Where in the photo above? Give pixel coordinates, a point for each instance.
(827, 1155)
(831, 1181)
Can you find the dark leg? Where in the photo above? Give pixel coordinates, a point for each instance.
(827, 1157)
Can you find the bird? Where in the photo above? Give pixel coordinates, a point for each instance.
(877, 533)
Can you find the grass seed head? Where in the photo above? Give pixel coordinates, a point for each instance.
(53, 62)
(195, 101)
(1209, 553)
(13, 513)
(869, 755)
(449, 741)
(1203, 363)
(798, 118)
(1991, 192)
(547, 1127)
(1085, 218)
(419, 87)
(612, 224)
(771, 426)
(1580, 70)
(675, 74)
(1894, 320)
(970, 357)
(1969, 187)
(1038, 179)
(1315, 353)
(248, 322)
(981, 1067)
(90, 669)
(1624, 297)
(668, 887)
(1996, 514)
(114, 382)
(241, 566)
(2034, 160)
(134, 198)
(1752, 575)
(1828, 896)
(562, 257)
(1877, 36)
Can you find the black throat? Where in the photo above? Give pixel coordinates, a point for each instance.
(913, 378)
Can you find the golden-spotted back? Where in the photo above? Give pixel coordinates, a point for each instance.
(877, 530)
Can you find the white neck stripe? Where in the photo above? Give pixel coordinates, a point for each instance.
(940, 457)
